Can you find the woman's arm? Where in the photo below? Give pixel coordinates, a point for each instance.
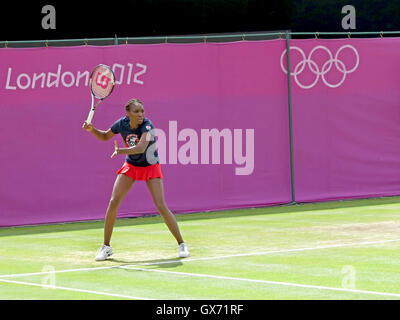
(139, 148)
(99, 134)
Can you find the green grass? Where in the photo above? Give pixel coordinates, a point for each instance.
(342, 250)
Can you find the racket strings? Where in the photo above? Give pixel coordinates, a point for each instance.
(102, 82)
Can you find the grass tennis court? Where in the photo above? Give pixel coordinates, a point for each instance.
(332, 250)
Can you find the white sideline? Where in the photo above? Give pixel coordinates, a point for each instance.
(135, 267)
(397, 295)
(269, 252)
(204, 258)
(74, 289)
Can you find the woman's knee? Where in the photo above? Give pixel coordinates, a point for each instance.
(161, 206)
(114, 202)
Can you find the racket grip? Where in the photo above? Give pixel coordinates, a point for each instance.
(90, 116)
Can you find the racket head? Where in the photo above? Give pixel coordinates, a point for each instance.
(102, 81)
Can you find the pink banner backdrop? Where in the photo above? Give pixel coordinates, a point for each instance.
(220, 111)
(346, 111)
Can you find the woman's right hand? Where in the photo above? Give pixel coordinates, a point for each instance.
(87, 127)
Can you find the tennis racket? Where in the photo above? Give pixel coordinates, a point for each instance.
(102, 82)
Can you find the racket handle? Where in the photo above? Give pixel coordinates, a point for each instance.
(91, 113)
(90, 116)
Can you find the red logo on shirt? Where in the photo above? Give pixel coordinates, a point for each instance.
(132, 140)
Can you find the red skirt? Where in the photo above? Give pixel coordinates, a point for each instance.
(141, 173)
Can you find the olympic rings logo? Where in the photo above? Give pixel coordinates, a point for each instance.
(326, 67)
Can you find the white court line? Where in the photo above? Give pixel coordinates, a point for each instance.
(268, 252)
(55, 271)
(397, 295)
(204, 258)
(73, 289)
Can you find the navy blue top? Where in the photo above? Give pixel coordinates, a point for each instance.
(131, 138)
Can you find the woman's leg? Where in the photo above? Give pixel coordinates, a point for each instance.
(121, 187)
(156, 189)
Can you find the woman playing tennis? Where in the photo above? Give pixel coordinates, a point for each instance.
(141, 163)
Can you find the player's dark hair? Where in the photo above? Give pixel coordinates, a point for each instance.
(133, 102)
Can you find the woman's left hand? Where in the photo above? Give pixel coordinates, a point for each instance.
(116, 149)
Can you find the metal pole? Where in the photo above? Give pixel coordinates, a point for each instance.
(346, 33)
(201, 37)
(290, 118)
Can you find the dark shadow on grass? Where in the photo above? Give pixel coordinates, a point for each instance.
(152, 219)
(158, 263)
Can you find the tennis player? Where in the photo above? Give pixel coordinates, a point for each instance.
(138, 134)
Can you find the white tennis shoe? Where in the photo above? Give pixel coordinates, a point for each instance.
(103, 253)
(183, 250)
